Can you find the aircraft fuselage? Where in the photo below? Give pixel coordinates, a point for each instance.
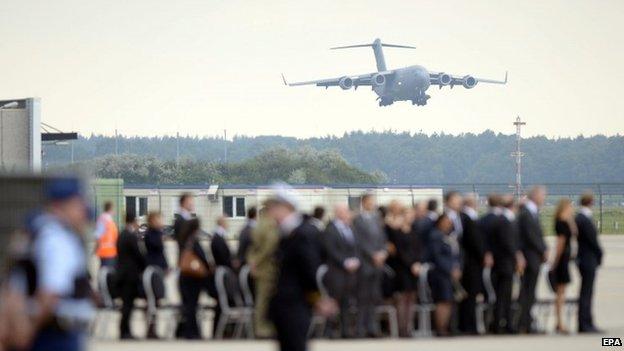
(407, 84)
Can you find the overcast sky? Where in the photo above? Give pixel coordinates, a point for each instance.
(155, 67)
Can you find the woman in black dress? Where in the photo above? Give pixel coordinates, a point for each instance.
(404, 260)
(565, 228)
(443, 254)
(154, 241)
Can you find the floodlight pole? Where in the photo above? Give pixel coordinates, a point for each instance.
(517, 155)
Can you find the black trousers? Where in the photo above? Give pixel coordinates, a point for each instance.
(527, 297)
(292, 321)
(368, 295)
(467, 310)
(129, 290)
(189, 291)
(588, 276)
(503, 318)
(468, 314)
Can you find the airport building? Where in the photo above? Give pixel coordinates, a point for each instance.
(20, 135)
(233, 201)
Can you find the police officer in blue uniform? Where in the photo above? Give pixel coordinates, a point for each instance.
(62, 295)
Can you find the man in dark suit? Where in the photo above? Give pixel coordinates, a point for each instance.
(486, 226)
(473, 250)
(186, 208)
(424, 225)
(218, 246)
(130, 265)
(503, 243)
(222, 256)
(371, 240)
(296, 288)
(535, 252)
(244, 238)
(343, 263)
(588, 259)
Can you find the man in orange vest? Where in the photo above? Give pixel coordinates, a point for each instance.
(106, 234)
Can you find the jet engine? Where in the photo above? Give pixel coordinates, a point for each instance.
(469, 82)
(378, 80)
(444, 79)
(345, 83)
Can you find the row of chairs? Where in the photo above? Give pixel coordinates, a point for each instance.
(425, 306)
(234, 297)
(236, 300)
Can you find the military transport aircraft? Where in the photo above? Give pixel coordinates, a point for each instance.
(401, 84)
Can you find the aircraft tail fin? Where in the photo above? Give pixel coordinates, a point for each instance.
(377, 49)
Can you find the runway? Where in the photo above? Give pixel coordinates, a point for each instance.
(489, 343)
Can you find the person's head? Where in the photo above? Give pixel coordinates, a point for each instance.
(420, 210)
(507, 201)
(587, 199)
(222, 222)
(187, 202)
(342, 213)
(565, 210)
(494, 200)
(318, 213)
(285, 202)
(108, 207)
(281, 210)
(65, 200)
(453, 200)
(432, 205)
(131, 222)
(537, 194)
(444, 223)
(470, 200)
(395, 208)
(252, 212)
(368, 202)
(154, 220)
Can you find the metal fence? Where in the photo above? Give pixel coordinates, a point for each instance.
(608, 211)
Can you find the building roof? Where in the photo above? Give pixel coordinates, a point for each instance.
(268, 186)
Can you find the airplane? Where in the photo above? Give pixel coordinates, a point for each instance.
(401, 84)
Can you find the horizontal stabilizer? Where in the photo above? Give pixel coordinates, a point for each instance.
(372, 45)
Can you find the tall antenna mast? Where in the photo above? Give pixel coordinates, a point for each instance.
(177, 149)
(517, 155)
(225, 146)
(116, 143)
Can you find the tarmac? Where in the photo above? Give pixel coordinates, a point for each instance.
(608, 313)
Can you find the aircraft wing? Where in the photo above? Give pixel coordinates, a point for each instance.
(442, 79)
(356, 80)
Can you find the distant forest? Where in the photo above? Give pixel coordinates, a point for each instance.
(400, 158)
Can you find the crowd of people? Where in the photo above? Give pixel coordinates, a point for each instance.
(374, 256)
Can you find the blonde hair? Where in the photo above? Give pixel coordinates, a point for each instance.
(151, 218)
(561, 207)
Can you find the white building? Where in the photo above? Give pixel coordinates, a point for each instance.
(233, 201)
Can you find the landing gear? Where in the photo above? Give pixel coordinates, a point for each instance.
(385, 101)
(421, 99)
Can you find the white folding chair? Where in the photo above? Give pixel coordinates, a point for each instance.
(238, 314)
(485, 306)
(318, 321)
(425, 304)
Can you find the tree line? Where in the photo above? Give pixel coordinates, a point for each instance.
(392, 157)
(301, 166)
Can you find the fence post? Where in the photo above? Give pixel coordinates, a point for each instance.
(600, 199)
